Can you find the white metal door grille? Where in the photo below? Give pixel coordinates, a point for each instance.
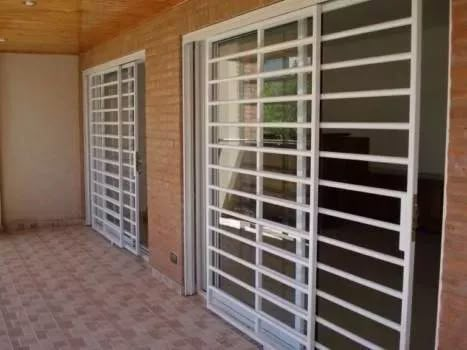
(113, 147)
(309, 213)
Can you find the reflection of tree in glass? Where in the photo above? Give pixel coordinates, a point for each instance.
(280, 112)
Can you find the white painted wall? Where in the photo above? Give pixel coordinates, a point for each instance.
(39, 139)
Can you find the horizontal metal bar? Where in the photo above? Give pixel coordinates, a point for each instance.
(128, 179)
(263, 75)
(364, 251)
(365, 94)
(105, 173)
(104, 97)
(105, 84)
(266, 199)
(367, 61)
(359, 310)
(105, 136)
(319, 346)
(291, 98)
(266, 247)
(129, 220)
(367, 344)
(111, 162)
(359, 280)
(105, 110)
(105, 123)
(360, 219)
(110, 149)
(129, 193)
(287, 229)
(263, 125)
(365, 126)
(274, 150)
(363, 189)
(364, 157)
(129, 208)
(368, 29)
(266, 49)
(266, 174)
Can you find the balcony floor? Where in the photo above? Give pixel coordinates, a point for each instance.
(68, 289)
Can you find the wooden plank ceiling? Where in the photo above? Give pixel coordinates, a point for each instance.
(70, 26)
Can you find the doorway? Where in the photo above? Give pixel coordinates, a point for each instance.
(309, 205)
(116, 176)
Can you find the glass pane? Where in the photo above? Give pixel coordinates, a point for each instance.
(234, 67)
(310, 26)
(367, 298)
(278, 264)
(282, 163)
(279, 214)
(280, 86)
(234, 203)
(393, 109)
(374, 142)
(389, 176)
(236, 248)
(229, 46)
(364, 14)
(366, 236)
(278, 60)
(234, 181)
(287, 58)
(284, 138)
(234, 158)
(285, 32)
(358, 203)
(375, 332)
(377, 76)
(234, 269)
(275, 287)
(234, 90)
(278, 313)
(110, 77)
(367, 45)
(234, 113)
(234, 290)
(111, 90)
(280, 189)
(280, 112)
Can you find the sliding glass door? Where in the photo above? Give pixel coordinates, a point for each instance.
(113, 136)
(311, 152)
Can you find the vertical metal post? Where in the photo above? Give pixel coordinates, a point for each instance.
(120, 150)
(412, 172)
(314, 172)
(300, 245)
(259, 179)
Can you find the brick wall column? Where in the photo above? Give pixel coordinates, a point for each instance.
(453, 307)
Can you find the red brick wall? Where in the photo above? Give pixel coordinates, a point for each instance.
(453, 310)
(162, 37)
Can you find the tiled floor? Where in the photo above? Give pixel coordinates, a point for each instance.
(68, 289)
